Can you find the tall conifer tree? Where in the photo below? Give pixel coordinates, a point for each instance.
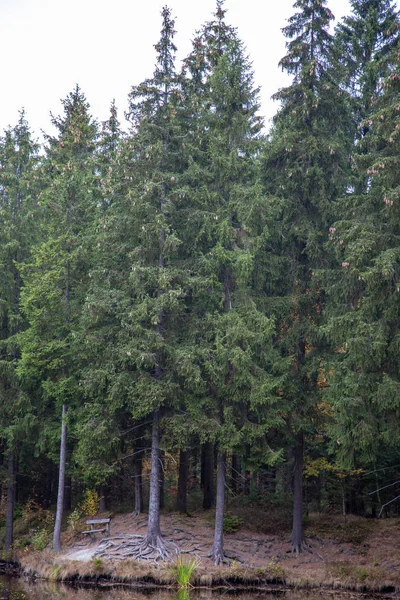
(138, 288)
(366, 372)
(57, 275)
(305, 164)
(232, 337)
(18, 195)
(365, 40)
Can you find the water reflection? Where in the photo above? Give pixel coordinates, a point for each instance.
(23, 589)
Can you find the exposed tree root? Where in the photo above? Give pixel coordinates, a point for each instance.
(136, 547)
(303, 547)
(218, 557)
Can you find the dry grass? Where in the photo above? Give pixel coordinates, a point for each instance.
(349, 530)
(273, 521)
(355, 554)
(359, 577)
(48, 566)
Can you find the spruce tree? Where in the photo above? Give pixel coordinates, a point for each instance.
(230, 336)
(18, 195)
(305, 164)
(365, 40)
(56, 275)
(138, 285)
(365, 373)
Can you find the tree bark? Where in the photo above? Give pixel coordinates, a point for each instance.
(61, 482)
(162, 480)
(297, 538)
(153, 535)
(102, 499)
(207, 468)
(194, 468)
(247, 483)
(181, 499)
(138, 486)
(217, 552)
(68, 482)
(235, 474)
(10, 501)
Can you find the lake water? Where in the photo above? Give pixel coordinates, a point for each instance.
(23, 589)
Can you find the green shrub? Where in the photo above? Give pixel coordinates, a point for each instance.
(232, 523)
(90, 503)
(40, 539)
(98, 563)
(73, 518)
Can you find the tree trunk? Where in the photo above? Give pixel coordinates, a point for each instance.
(217, 552)
(207, 464)
(297, 530)
(68, 482)
(247, 483)
(10, 501)
(68, 493)
(138, 486)
(194, 468)
(153, 535)
(102, 499)
(235, 474)
(61, 481)
(181, 499)
(162, 479)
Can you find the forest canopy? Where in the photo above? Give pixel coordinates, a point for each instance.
(195, 307)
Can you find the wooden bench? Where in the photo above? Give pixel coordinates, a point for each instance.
(95, 526)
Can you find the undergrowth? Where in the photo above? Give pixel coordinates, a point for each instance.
(351, 530)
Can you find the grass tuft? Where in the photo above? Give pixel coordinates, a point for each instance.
(184, 570)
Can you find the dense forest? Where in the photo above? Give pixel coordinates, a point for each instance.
(196, 311)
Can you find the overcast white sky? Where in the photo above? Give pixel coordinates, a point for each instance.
(47, 46)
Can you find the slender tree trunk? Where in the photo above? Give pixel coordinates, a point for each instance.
(217, 552)
(138, 486)
(235, 474)
(68, 483)
(207, 463)
(68, 493)
(297, 530)
(61, 482)
(194, 468)
(162, 479)
(153, 535)
(247, 483)
(10, 501)
(181, 499)
(102, 499)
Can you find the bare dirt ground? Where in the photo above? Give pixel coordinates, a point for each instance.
(355, 553)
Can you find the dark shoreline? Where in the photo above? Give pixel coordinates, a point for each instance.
(227, 584)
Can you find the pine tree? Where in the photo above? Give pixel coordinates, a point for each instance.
(306, 165)
(365, 40)
(138, 284)
(56, 276)
(230, 337)
(365, 381)
(18, 161)
(108, 151)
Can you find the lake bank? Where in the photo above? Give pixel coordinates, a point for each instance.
(355, 554)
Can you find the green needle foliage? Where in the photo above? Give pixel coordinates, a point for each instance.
(305, 163)
(196, 282)
(365, 385)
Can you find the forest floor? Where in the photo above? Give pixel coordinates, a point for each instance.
(348, 553)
